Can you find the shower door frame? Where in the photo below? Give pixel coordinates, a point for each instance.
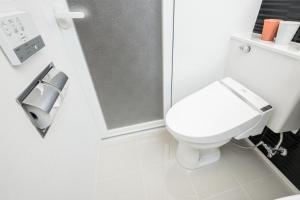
(71, 40)
(167, 70)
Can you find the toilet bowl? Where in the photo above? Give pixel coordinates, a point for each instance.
(211, 117)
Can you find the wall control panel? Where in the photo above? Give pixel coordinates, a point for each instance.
(19, 37)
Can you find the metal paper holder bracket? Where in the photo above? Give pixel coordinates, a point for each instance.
(39, 80)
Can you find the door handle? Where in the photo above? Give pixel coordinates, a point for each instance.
(63, 16)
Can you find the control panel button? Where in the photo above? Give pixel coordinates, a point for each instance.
(6, 29)
(19, 37)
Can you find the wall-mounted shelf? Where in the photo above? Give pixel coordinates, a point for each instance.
(292, 50)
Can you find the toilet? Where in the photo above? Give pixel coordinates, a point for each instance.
(260, 88)
(211, 117)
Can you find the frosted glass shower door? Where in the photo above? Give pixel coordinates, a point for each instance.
(121, 40)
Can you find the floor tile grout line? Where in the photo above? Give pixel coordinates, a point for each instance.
(145, 192)
(220, 193)
(234, 178)
(256, 180)
(193, 185)
(165, 165)
(246, 193)
(167, 158)
(195, 193)
(248, 196)
(252, 181)
(259, 179)
(242, 185)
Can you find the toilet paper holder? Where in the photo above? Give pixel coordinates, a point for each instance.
(42, 98)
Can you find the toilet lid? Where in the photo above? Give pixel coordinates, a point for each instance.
(212, 114)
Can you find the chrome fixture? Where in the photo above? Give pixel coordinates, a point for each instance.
(245, 48)
(272, 151)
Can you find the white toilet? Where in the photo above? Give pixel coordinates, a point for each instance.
(226, 109)
(211, 117)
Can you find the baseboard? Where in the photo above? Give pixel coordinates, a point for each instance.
(134, 128)
(135, 135)
(291, 186)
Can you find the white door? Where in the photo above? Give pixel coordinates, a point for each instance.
(119, 44)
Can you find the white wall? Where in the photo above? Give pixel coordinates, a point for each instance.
(61, 166)
(202, 33)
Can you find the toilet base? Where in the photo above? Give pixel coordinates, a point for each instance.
(191, 157)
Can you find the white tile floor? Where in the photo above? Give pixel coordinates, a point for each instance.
(144, 168)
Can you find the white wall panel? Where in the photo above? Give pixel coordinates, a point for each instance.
(63, 165)
(202, 34)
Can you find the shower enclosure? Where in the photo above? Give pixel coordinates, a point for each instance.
(122, 44)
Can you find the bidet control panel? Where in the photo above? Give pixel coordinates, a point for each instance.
(19, 37)
(246, 94)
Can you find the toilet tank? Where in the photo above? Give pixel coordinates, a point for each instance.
(271, 72)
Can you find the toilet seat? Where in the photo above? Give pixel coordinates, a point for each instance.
(211, 117)
(213, 114)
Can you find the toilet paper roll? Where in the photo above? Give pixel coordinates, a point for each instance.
(42, 104)
(40, 118)
(56, 78)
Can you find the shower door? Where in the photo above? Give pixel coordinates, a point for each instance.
(121, 41)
